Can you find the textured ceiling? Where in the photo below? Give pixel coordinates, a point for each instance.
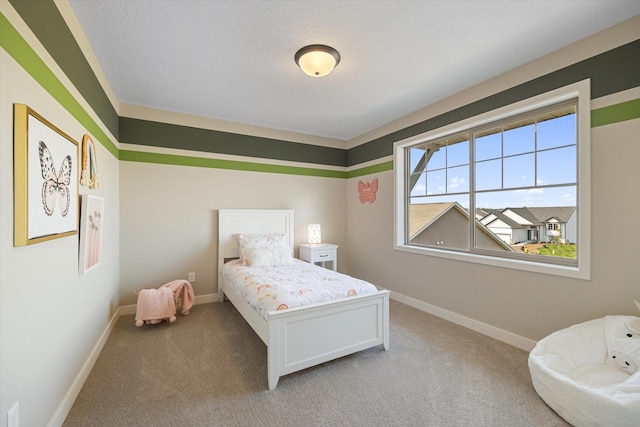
(233, 60)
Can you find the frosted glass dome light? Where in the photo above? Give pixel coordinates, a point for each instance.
(317, 60)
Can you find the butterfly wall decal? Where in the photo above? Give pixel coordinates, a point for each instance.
(368, 191)
(55, 186)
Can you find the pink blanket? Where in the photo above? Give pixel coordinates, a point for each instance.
(156, 305)
(183, 291)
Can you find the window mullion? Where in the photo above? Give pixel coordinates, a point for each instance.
(472, 192)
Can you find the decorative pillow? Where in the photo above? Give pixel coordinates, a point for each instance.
(247, 241)
(268, 256)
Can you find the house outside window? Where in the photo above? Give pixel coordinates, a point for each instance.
(500, 187)
(553, 230)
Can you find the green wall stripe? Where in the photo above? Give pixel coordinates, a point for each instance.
(17, 47)
(201, 162)
(380, 167)
(157, 134)
(616, 113)
(598, 68)
(46, 22)
(613, 71)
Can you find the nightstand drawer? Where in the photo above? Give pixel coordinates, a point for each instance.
(320, 252)
(324, 255)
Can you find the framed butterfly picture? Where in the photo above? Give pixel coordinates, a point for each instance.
(45, 179)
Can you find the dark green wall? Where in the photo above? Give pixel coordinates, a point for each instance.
(610, 72)
(143, 132)
(46, 22)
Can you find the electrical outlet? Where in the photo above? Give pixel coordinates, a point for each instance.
(192, 277)
(13, 416)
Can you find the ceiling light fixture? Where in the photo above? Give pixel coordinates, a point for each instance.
(317, 60)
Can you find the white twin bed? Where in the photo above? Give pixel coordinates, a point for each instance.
(329, 316)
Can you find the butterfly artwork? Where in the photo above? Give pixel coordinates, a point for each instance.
(56, 186)
(45, 193)
(368, 191)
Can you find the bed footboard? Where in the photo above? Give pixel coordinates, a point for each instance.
(305, 337)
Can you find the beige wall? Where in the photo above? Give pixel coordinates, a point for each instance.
(50, 317)
(169, 218)
(521, 306)
(526, 304)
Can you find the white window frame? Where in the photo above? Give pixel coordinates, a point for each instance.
(581, 91)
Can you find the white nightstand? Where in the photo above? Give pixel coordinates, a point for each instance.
(320, 252)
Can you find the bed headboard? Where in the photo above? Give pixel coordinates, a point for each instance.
(250, 221)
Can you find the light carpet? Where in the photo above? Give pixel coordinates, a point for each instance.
(210, 369)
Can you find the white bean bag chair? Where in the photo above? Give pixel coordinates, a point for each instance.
(590, 373)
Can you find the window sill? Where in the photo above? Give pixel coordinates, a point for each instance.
(582, 273)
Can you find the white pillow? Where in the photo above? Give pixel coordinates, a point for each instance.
(268, 256)
(248, 241)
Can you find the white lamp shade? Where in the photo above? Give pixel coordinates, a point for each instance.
(317, 64)
(317, 60)
(314, 234)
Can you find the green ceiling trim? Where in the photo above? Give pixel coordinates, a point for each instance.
(202, 162)
(616, 113)
(18, 48)
(380, 167)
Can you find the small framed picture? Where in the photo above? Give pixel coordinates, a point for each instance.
(45, 179)
(91, 231)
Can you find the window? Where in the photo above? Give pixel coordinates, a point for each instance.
(508, 188)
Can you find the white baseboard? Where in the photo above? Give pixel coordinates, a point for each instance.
(206, 299)
(127, 309)
(488, 330)
(67, 402)
(199, 299)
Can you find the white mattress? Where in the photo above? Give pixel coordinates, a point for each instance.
(279, 288)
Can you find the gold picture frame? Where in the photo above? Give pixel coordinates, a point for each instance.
(45, 163)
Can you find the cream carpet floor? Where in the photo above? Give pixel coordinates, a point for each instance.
(209, 369)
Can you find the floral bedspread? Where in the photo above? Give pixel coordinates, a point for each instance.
(289, 286)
